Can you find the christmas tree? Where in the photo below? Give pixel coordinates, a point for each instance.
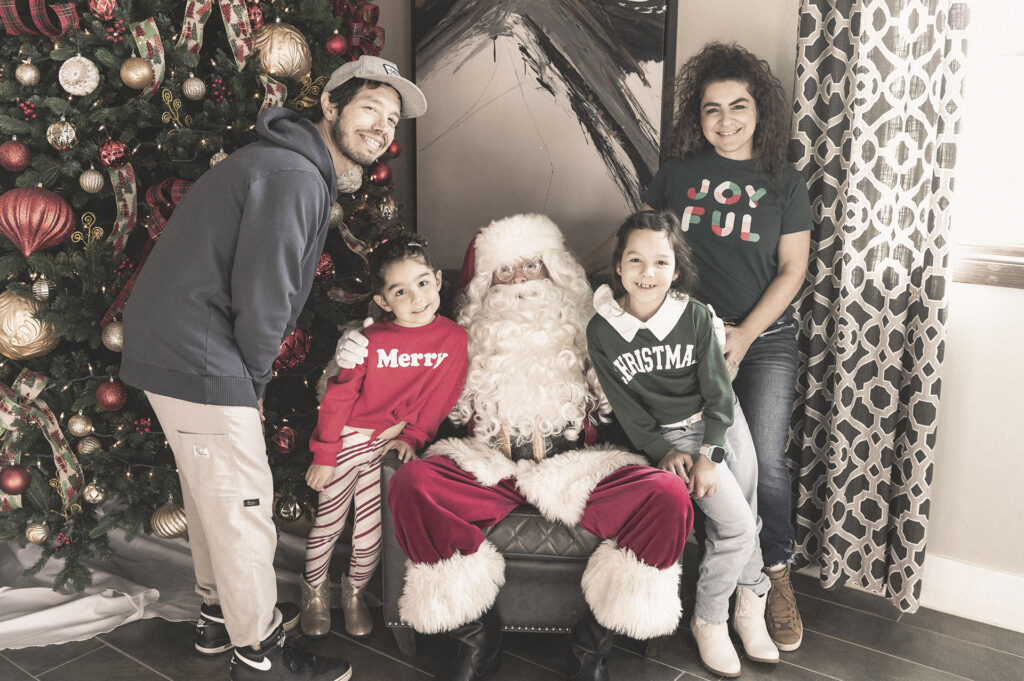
(109, 109)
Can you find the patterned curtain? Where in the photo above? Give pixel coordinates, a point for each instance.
(878, 89)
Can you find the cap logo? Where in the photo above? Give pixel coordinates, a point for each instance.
(390, 70)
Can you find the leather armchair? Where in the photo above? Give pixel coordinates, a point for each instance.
(544, 562)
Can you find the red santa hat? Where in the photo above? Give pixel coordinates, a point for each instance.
(509, 241)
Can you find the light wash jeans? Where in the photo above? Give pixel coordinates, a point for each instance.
(732, 553)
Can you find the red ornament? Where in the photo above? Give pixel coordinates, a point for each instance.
(15, 479)
(111, 395)
(113, 153)
(283, 439)
(293, 350)
(15, 156)
(255, 15)
(325, 268)
(380, 174)
(34, 218)
(103, 9)
(394, 149)
(336, 45)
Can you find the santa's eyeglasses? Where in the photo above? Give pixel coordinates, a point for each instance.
(531, 269)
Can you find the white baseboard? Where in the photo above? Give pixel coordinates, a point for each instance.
(973, 591)
(970, 591)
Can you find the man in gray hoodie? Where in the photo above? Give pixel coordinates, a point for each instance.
(221, 290)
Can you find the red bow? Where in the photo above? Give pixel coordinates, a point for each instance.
(360, 27)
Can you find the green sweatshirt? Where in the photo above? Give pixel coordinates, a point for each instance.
(662, 371)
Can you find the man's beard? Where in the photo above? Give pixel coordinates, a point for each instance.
(528, 355)
(359, 157)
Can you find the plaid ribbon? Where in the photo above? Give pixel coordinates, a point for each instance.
(147, 37)
(123, 181)
(361, 29)
(19, 402)
(274, 92)
(162, 198)
(52, 21)
(236, 24)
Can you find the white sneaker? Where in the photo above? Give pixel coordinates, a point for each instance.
(748, 621)
(716, 651)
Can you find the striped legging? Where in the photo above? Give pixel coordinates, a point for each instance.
(357, 476)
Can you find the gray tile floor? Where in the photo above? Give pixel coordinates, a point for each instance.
(849, 636)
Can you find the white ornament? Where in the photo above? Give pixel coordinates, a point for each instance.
(78, 76)
(193, 88)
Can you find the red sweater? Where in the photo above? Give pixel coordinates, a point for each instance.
(412, 374)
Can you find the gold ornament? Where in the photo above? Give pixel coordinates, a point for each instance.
(169, 521)
(61, 135)
(27, 74)
(113, 336)
(90, 231)
(80, 425)
(136, 72)
(193, 88)
(217, 158)
(22, 336)
(337, 214)
(36, 533)
(42, 288)
(91, 180)
(88, 445)
(284, 52)
(288, 508)
(78, 76)
(93, 493)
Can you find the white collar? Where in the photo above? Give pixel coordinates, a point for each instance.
(660, 324)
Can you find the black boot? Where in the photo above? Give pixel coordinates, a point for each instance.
(479, 654)
(588, 650)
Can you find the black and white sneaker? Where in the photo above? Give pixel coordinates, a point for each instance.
(280, 660)
(211, 637)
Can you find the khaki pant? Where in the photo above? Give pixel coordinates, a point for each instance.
(228, 493)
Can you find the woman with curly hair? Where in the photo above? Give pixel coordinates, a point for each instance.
(746, 214)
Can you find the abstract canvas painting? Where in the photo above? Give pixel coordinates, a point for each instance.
(548, 106)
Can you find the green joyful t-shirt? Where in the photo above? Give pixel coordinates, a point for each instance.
(733, 219)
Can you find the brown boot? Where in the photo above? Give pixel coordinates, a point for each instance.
(781, 614)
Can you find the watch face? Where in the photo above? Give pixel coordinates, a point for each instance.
(717, 454)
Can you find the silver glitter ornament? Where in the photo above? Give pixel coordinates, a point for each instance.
(80, 425)
(91, 180)
(113, 336)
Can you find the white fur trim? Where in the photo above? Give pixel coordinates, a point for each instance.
(630, 597)
(445, 595)
(486, 464)
(515, 238)
(560, 485)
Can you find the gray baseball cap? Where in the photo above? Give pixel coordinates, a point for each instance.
(374, 68)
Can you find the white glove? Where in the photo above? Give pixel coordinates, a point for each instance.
(351, 348)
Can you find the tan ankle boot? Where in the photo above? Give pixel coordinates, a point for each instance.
(358, 620)
(316, 611)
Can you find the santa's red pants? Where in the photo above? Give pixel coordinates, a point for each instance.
(439, 509)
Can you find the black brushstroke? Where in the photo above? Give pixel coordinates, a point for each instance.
(580, 44)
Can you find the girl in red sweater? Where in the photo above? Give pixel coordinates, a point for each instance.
(395, 400)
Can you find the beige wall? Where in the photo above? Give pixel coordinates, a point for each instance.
(977, 512)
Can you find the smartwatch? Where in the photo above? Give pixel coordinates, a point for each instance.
(714, 452)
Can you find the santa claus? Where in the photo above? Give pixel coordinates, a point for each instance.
(531, 401)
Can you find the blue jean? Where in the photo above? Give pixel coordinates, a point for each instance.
(766, 388)
(732, 556)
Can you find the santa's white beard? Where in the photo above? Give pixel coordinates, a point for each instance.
(527, 350)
